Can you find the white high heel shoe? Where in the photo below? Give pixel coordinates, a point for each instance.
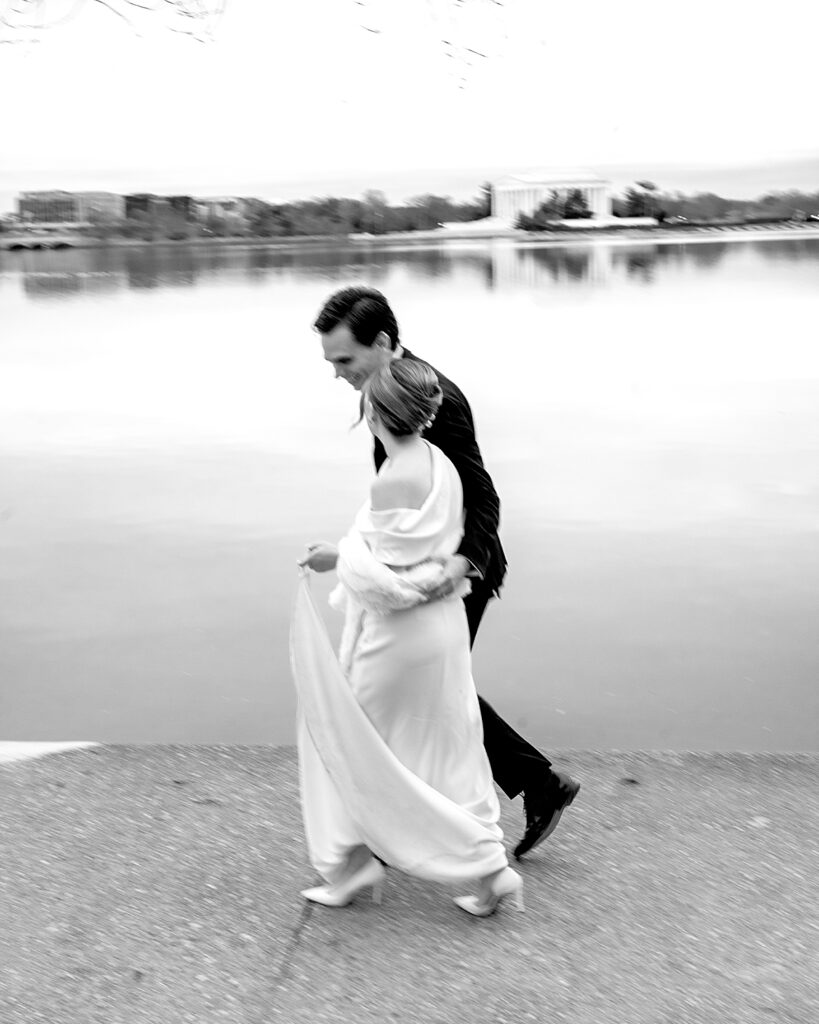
(505, 883)
(371, 874)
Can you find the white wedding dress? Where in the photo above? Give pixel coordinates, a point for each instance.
(390, 745)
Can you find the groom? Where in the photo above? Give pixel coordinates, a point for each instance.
(359, 334)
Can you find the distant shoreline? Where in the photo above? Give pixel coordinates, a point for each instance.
(625, 236)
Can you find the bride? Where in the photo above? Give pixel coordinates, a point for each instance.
(392, 765)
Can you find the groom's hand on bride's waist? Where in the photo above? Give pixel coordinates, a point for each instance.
(455, 569)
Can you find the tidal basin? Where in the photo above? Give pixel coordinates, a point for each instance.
(170, 438)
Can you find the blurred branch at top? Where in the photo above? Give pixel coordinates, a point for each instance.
(29, 20)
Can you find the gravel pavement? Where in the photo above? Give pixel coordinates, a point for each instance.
(156, 885)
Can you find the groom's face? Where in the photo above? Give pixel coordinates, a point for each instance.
(351, 360)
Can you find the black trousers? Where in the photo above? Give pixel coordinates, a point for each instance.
(515, 763)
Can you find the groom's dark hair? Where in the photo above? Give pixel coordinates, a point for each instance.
(364, 310)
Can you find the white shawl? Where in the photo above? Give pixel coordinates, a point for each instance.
(391, 560)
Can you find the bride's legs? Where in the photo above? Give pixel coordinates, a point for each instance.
(356, 860)
(485, 883)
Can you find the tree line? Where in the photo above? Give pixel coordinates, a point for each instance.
(372, 214)
(325, 216)
(645, 199)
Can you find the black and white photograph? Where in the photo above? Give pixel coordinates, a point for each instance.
(409, 512)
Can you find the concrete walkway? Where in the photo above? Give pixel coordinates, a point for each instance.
(161, 884)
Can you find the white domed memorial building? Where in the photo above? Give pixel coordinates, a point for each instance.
(525, 192)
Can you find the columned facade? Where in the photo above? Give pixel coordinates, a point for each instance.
(524, 193)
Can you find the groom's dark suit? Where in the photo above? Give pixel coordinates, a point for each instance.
(515, 763)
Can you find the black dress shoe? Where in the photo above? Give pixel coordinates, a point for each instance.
(543, 810)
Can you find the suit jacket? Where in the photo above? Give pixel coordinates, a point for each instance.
(453, 431)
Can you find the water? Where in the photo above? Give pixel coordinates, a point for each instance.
(170, 438)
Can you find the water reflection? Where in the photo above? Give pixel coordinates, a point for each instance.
(796, 250)
(499, 265)
(163, 456)
(533, 267)
(489, 265)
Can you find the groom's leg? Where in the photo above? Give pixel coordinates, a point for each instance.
(515, 763)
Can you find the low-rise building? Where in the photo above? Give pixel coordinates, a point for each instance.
(48, 207)
(229, 209)
(143, 203)
(95, 205)
(183, 205)
(61, 207)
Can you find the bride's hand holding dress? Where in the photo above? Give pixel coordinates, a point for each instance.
(321, 557)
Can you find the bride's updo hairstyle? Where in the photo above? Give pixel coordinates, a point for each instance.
(405, 395)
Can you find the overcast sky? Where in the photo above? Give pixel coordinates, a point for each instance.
(333, 96)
